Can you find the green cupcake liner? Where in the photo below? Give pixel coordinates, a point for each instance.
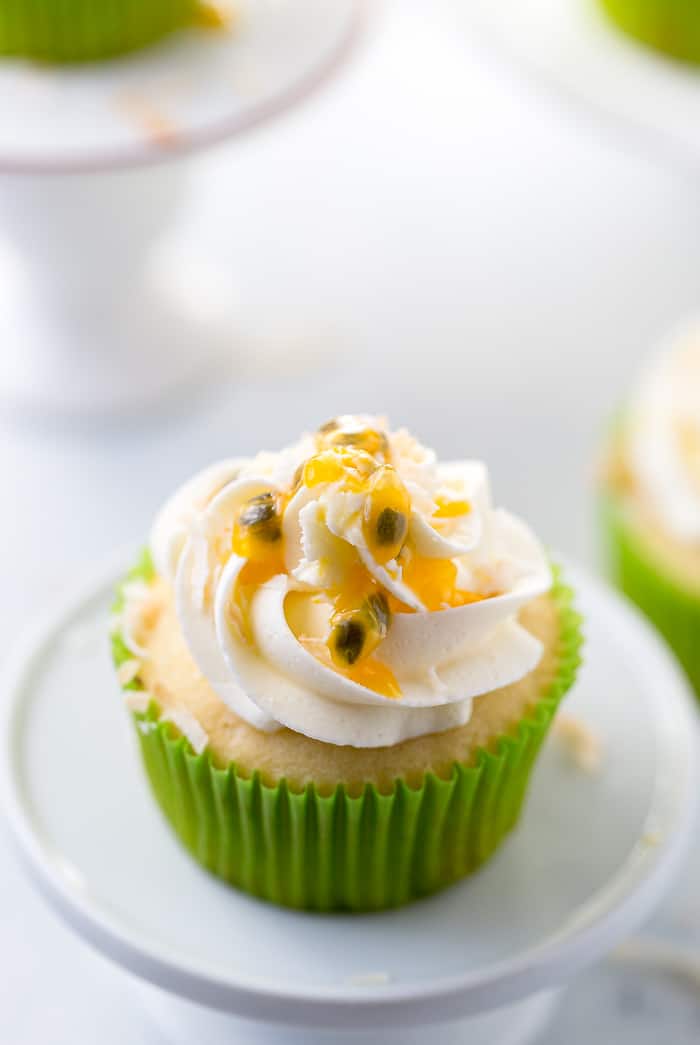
(671, 608)
(83, 30)
(672, 26)
(342, 852)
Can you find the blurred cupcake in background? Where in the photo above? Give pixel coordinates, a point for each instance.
(88, 30)
(671, 26)
(651, 497)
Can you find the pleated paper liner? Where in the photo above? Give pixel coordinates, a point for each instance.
(85, 30)
(672, 609)
(671, 26)
(340, 852)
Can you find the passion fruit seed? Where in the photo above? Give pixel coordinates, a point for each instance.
(391, 527)
(260, 518)
(347, 641)
(385, 517)
(357, 632)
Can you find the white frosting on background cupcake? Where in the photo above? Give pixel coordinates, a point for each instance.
(664, 435)
(442, 611)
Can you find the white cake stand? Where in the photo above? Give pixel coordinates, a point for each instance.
(571, 46)
(91, 173)
(481, 962)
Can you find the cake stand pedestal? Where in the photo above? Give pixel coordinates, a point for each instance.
(93, 317)
(480, 962)
(183, 1023)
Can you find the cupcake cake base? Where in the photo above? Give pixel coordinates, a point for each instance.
(546, 905)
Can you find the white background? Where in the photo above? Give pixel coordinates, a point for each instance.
(429, 237)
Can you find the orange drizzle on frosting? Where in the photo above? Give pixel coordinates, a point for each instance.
(360, 611)
(353, 467)
(434, 581)
(370, 673)
(447, 509)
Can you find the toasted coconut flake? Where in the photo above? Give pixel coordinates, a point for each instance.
(582, 746)
(138, 700)
(140, 607)
(128, 670)
(157, 127)
(146, 726)
(188, 726)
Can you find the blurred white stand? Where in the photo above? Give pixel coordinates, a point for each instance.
(184, 1023)
(96, 320)
(91, 175)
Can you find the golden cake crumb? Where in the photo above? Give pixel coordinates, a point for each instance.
(582, 746)
(127, 671)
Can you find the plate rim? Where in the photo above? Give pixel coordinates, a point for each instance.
(606, 916)
(146, 154)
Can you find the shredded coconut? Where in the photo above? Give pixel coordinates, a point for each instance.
(151, 121)
(139, 606)
(583, 747)
(138, 700)
(188, 726)
(128, 670)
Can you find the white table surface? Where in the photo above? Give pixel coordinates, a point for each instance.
(428, 237)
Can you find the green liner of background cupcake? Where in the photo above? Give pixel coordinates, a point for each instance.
(670, 26)
(650, 497)
(88, 30)
(352, 804)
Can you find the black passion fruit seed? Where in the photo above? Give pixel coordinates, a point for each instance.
(391, 527)
(357, 632)
(385, 515)
(260, 517)
(347, 640)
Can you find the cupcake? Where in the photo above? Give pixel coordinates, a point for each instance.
(651, 497)
(671, 26)
(341, 661)
(82, 30)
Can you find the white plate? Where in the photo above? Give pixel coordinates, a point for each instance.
(571, 45)
(191, 90)
(591, 856)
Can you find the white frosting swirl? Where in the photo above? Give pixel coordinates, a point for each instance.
(441, 659)
(664, 435)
